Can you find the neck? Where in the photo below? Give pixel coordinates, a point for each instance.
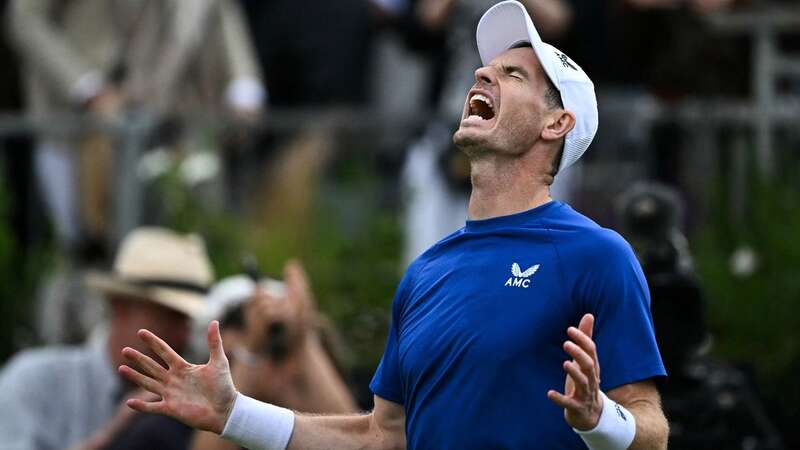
(119, 336)
(503, 185)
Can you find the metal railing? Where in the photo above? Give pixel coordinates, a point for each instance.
(132, 133)
(765, 24)
(760, 115)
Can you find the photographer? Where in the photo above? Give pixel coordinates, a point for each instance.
(709, 403)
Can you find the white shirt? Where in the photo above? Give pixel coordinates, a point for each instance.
(55, 397)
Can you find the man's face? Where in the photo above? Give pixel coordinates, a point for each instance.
(505, 110)
(131, 315)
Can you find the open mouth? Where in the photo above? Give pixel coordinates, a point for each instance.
(481, 106)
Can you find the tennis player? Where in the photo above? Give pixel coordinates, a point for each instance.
(529, 328)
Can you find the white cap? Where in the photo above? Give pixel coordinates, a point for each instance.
(235, 290)
(507, 24)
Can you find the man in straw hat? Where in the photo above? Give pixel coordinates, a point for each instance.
(57, 398)
(501, 330)
(299, 374)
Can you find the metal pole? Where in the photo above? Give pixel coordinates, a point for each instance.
(128, 188)
(764, 89)
(739, 186)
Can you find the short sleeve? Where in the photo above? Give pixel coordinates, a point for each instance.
(387, 382)
(615, 291)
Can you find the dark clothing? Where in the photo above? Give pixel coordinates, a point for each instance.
(149, 432)
(673, 53)
(312, 52)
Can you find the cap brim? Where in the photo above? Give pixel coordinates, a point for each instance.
(187, 303)
(507, 24)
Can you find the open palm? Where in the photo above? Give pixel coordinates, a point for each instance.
(581, 398)
(200, 396)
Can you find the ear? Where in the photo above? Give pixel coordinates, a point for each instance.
(558, 124)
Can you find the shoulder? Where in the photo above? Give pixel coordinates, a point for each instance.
(442, 247)
(581, 239)
(39, 366)
(608, 245)
(431, 256)
(443, 244)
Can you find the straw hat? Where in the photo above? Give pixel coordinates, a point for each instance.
(161, 266)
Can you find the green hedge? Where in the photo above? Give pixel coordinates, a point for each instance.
(350, 246)
(755, 314)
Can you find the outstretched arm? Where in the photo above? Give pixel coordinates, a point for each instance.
(383, 428)
(583, 401)
(203, 397)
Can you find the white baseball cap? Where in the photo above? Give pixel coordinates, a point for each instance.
(508, 24)
(233, 291)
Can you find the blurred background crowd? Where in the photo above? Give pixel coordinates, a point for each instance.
(275, 164)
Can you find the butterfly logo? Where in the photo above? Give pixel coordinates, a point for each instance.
(519, 278)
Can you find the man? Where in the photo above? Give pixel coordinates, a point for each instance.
(476, 348)
(69, 397)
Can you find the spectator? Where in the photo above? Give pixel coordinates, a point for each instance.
(296, 372)
(678, 55)
(71, 397)
(106, 57)
(709, 403)
(673, 41)
(312, 53)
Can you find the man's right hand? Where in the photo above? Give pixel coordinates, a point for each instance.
(200, 396)
(107, 104)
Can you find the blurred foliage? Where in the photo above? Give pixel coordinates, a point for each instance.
(754, 311)
(349, 244)
(353, 275)
(225, 234)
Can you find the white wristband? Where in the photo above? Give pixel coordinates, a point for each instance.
(614, 431)
(257, 425)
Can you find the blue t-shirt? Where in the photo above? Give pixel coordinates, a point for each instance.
(479, 320)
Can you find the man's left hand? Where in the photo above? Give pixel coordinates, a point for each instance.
(581, 399)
